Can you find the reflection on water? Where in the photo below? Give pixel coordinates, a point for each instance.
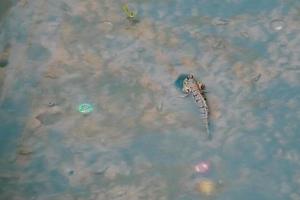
(134, 138)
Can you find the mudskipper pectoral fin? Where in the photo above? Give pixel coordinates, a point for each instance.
(184, 96)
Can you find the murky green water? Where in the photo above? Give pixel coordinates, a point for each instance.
(4, 7)
(141, 141)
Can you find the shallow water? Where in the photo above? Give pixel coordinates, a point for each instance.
(141, 141)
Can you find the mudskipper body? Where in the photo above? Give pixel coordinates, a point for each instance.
(197, 89)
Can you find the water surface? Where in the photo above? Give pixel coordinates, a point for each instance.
(141, 141)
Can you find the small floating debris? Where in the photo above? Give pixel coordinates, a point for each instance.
(244, 34)
(24, 151)
(220, 22)
(51, 104)
(256, 78)
(202, 167)
(71, 172)
(131, 16)
(219, 45)
(277, 24)
(206, 187)
(85, 108)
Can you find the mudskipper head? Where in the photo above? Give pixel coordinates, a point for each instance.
(187, 83)
(190, 76)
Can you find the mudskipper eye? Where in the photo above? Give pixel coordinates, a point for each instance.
(190, 76)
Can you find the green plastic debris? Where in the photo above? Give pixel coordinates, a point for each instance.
(131, 16)
(129, 13)
(85, 108)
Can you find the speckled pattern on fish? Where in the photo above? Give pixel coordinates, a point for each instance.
(196, 88)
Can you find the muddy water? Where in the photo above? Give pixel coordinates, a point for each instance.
(141, 141)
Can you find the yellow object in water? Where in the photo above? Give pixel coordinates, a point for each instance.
(206, 187)
(129, 13)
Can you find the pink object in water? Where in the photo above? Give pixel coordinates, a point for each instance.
(202, 167)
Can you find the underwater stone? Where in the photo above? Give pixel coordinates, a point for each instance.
(3, 63)
(71, 172)
(4, 56)
(277, 24)
(111, 172)
(65, 7)
(48, 118)
(25, 151)
(53, 72)
(220, 22)
(23, 2)
(2, 77)
(34, 124)
(105, 26)
(38, 52)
